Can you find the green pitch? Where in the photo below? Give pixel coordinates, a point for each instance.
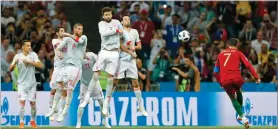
(152, 127)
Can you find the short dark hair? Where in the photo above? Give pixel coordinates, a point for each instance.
(106, 9)
(24, 41)
(77, 24)
(191, 58)
(137, 5)
(233, 42)
(58, 29)
(124, 15)
(177, 15)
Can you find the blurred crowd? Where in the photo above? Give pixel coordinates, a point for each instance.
(35, 21)
(163, 57)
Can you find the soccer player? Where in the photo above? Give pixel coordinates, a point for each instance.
(72, 71)
(26, 63)
(228, 74)
(86, 78)
(58, 65)
(110, 31)
(127, 64)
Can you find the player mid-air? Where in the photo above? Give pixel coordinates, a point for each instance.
(110, 31)
(72, 70)
(86, 80)
(127, 63)
(26, 63)
(58, 65)
(228, 74)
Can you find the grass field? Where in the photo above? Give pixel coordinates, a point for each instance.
(153, 127)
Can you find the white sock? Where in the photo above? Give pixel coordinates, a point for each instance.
(90, 89)
(80, 113)
(138, 95)
(244, 119)
(56, 99)
(62, 102)
(109, 87)
(51, 98)
(68, 102)
(21, 112)
(33, 112)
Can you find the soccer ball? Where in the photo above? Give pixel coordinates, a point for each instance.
(184, 36)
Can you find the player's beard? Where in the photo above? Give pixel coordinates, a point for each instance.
(108, 19)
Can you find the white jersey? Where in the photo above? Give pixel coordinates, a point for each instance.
(87, 67)
(57, 61)
(129, 42)
(26, 73)
(110, 39)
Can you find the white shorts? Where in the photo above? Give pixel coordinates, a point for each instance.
(27, 94)
(107, 61)
(127, 69)
(53, 83)
(96, 94)
(70, 75)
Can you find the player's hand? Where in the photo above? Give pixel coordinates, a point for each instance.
(120, 31)
(27, 62)
(66, 34)
(258, 81)
(133, 55)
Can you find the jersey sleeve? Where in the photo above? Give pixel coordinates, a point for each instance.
(15, 59)
(248, 65)
(105, 32)
(36, 58)
(63, 43)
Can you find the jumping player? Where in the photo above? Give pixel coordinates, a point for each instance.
(97, 94)
(127, 64)
(228, 74)
(110, 31)
(26, 63)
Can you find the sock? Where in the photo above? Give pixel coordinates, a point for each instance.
(62, 102)
(100, 101)
(237, 107)
(21, 112)
(81, 92)
(240, 98)
(56, 99)
(109, 87)
(138, 95)
(33, 112)
(80, 114)
(68, 102)
(51, 97)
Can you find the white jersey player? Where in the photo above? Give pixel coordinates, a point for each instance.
(26, 63)
(127, 64)
(110, 31)
(72, 71)
(86, 80)
(58, 65)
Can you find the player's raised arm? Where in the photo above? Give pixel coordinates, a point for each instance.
(12, 66)
(248, 65)
(106, 32)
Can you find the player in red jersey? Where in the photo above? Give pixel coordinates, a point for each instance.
(228, 74)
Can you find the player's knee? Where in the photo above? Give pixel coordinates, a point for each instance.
(33, 104)
(22, 103)
(110, 80)
(135, 83)
(115, 83)
(53, 91)
(232, 96)
(96, 76)
(64, 93)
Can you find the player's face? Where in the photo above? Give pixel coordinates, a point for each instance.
(78, 31)
(27, 47)
(60, 33)
(126, 21)
(187, 61)
(107, 16)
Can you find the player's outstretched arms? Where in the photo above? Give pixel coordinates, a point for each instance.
(248, 65)
(107, 32)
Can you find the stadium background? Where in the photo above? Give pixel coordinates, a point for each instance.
(36, 21)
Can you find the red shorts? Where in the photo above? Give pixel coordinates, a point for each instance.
(231, 86)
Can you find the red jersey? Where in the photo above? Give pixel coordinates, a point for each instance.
(228, 65)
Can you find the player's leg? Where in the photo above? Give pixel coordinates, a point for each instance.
(73, 76)
(32, 99)
(22, 97)
(111, 68)
(83, 89)
(53, 109)
(53, 86)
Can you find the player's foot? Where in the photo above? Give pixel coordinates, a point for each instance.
(245, 122)
(105, 122)
(61, 117)
(143, 111)
(51, 118)
(21, 125)
(105, 110)
(33, 124)
(78, 124)
(50, 113)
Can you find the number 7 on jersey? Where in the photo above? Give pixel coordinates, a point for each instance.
(228, 57)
